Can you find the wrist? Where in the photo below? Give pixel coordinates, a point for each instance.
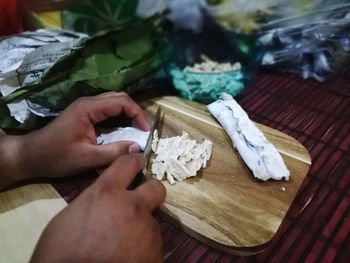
(11, 164)
(32, 156)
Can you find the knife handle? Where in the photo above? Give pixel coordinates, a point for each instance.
(139, 179)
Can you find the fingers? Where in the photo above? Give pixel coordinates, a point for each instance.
(152, 194)
(122, 173)
(124, 170)
(111, 104)
(107, 153)
(111, 93)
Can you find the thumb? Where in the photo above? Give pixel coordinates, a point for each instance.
(107, 153)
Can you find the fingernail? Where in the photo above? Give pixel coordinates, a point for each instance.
(134, 148)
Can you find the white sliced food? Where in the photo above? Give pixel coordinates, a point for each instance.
(179, 157)
(125, 134)
(257, 152)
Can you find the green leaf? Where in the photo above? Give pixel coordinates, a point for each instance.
(134, 46)
(99, 15)
(59, 96)
(83, 18)
(117, 81)
(116, 10)
(119, 51)
(98, 59)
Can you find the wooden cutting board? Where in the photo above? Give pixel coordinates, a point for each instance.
(224, 206)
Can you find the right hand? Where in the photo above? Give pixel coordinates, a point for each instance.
(107, 222)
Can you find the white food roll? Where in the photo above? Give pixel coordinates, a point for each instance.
(257, 152)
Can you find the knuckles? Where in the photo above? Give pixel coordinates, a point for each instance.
(158, 188)
(122, 93)
(131, 160)
(134, 209)
(80, 105)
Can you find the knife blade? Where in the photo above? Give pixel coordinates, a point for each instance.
(154, 125)
(140, 177)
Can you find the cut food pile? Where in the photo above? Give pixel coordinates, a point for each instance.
(179, 157)
(211, 66)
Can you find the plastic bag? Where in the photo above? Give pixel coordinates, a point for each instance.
(312, 40)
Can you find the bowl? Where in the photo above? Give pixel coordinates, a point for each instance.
(206, 87)
(188, 49)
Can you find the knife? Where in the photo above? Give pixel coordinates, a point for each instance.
(140, 177)
(155, 124)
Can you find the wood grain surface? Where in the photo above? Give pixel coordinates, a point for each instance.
(224, 206)
(24, 213)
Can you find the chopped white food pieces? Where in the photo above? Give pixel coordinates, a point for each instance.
(125, 134)
(257, 152)
(210, 66)
(179, 157)
(155, 140)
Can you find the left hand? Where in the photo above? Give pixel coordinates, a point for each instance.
(68, 145)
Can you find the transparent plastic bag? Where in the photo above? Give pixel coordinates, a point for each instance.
(312, 40)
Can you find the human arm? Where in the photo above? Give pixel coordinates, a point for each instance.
(107, 222)
(10, 165)
(68, 145)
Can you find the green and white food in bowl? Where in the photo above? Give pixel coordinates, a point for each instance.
(201, 66)
(205, 81)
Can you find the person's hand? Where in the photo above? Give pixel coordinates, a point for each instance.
(68, 145)
(107, 222)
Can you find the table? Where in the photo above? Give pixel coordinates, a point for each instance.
(317, 227)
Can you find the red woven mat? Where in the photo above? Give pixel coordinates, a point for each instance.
(317, 227)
